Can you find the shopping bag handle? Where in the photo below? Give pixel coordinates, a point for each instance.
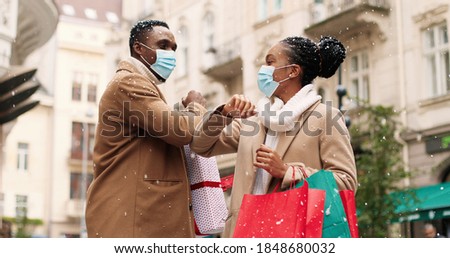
(292, 184)
(302, 169)
(276, 186)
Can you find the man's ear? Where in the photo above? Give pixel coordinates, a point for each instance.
(137, 48)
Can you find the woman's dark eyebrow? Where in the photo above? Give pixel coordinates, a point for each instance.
(269, 56)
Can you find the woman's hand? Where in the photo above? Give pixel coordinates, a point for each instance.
(270, 160)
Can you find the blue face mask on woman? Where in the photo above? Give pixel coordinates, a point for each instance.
(266, 84)
(165, 62)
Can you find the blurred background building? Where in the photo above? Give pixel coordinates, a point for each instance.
(397, 54)
(47, 154)
(25, 27)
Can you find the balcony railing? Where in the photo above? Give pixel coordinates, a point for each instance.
(322, 11)
(222, 58)
(340, 17)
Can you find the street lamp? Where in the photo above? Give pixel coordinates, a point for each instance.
(341, 91)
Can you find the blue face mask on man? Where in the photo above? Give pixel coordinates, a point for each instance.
(165, 62)
(266, 84)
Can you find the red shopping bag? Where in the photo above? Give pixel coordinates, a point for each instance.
(314, 213)
(281, 214)
(349, 203)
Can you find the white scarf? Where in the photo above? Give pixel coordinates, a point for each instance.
(280, 117)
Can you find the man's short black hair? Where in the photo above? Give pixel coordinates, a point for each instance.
(140, 28)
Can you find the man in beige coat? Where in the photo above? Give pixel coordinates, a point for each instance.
(140, 186)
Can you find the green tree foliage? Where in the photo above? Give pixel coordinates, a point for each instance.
(380, 168)
(23, 225)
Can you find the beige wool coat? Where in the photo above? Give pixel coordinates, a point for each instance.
(320, 140)
(140, 186)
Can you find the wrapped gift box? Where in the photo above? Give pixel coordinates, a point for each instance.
(208, 200)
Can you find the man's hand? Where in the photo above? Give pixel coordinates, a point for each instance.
(194, 96)
(239, 106)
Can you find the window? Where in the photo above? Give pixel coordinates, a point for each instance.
(76, 179)
(278, 5)
(268, 8)
(92, 88)
(208, 31)
(90, 13)
(436, 54)
(318, 11)
(112, 17)
(68, 10)
(77, 140)
(208, 57)
(183, 56)
(262, 10)
(22, 157)
(76, 86)
(21, 206)
(359, 78)
(91, 141)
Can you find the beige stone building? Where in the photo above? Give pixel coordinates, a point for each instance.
(47, 159)
(26, 26)
(397, 54)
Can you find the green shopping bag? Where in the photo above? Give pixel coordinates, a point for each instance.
(335, 222)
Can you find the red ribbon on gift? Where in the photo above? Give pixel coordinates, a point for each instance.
(227, 182)
(206, 184)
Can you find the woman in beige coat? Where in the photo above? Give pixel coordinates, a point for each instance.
(294, 133)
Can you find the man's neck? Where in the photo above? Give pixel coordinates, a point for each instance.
(144, 70)
(158, 77)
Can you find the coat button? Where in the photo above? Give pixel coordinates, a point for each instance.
(190, 206)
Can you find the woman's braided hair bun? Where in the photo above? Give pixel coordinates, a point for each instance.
(332, 54)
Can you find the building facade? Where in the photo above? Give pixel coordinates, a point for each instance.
(26, 26)
(397, 54)
(48, 152)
